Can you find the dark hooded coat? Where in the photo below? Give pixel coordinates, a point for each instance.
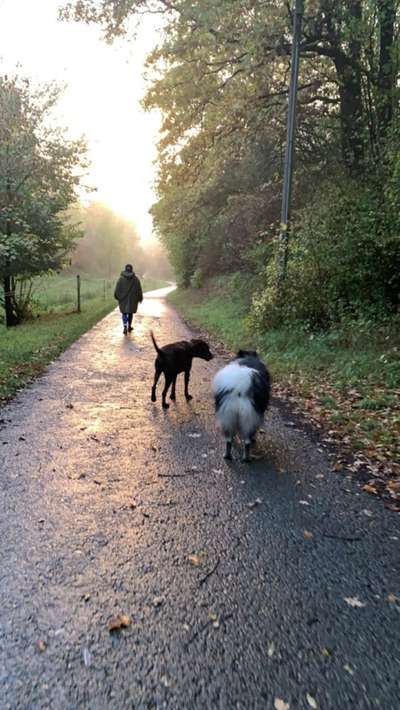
(128, 292)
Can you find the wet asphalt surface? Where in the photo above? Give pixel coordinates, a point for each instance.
(235, 576)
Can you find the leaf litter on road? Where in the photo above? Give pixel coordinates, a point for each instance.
(311, 701)
(122, 621)
(280, 704)
(354, 602)
(254, 503)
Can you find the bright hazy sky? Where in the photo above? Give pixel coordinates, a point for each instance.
(104, 88)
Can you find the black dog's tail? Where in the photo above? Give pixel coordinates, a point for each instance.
(160, 352)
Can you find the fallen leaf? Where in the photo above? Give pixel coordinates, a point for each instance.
(280, 704)
(348, 668)
(157, 601)
(308, 534)
(354, 602)
(254, 503)
(194, 560)
(271, 649)
(122, 621)
(326, 652)
(311, 701)
(41, 646)
(194, 435)
(392, 598)
(337, 467)
(370, 489)
(304, 502)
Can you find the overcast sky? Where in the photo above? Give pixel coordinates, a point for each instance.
(102, 99)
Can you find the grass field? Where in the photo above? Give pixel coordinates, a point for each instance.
(51, 292)
(347, 380)
(27, 349)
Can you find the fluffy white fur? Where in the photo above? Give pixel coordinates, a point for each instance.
(236, 414)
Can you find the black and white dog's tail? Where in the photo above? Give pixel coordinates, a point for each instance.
(241, 393)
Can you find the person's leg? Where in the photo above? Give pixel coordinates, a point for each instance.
(125, 318)
(130, 318)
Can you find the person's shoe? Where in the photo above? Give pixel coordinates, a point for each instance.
(130, 329)
(125, 330)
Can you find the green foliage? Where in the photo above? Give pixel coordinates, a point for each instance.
(108, 243)
(220, 78)
(344, 259)
(357, 351)
(40, 171)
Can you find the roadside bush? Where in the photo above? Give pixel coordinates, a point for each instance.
(344, 260)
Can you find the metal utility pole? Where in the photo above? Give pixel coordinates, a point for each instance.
(298, 10)
(78, 293)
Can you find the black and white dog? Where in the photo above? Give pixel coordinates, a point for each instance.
(241, 393)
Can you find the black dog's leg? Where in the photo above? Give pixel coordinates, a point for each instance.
(187, 378)
(156, 378)
(168, 380)
(173, 393)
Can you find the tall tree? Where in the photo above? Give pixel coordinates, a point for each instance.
(40, 171)
(220, 79)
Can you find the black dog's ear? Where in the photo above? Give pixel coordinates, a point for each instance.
(241, 353)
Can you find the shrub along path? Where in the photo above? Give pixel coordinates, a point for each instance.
(141, 570)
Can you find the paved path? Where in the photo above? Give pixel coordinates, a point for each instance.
(105, 497)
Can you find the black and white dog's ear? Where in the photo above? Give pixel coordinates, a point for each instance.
(247, 353)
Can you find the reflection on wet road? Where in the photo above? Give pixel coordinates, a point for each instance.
(112, 506)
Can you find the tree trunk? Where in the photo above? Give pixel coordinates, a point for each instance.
(11, 316)
(350, 93)
(351, 114)
(386, 78)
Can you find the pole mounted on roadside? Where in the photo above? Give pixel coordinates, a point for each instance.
(298, 11)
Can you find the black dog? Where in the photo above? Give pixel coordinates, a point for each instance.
(173, 359)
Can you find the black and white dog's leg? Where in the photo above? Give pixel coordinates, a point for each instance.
(246, 456)
(228, 449)
(187, 377)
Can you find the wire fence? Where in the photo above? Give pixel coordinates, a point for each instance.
(62, 290)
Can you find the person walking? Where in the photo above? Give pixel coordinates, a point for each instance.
(128, 292)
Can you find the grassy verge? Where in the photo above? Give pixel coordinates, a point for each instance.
(346, 380)
(27, 349)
